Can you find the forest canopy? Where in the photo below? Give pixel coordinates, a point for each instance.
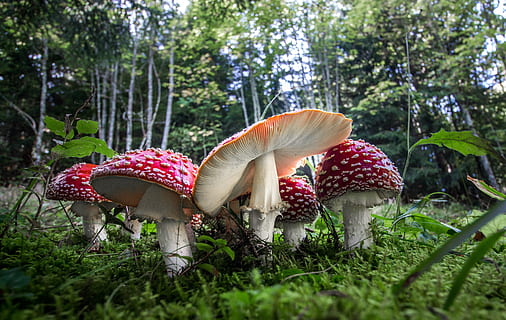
(186, 75)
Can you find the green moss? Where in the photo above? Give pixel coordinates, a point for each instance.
(320, 281)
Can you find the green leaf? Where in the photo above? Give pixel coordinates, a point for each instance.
(100, 146)
(73, 148)
(87, 127)
(58, 127)
(479, 252)
(486, 189)
(83, 147)
(209, 268)
(228, 251)
(453, 242)
(464, 142)
(433, 225)
(204, 246)
(205, 238)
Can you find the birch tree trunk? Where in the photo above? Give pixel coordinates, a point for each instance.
(483, 160)
(170, 97)
(149, 106)
(130, 103)
(254, 94)
(112, 110)
(37, 150)
(243, 105)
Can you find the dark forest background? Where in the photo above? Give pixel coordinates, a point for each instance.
(185, 76)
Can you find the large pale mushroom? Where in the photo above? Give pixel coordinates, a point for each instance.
(354, 176)
(253, 159)
(73, 184)
(158, 183)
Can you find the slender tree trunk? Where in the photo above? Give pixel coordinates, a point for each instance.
(112, 111)
(170, 98)
(98, 100)
(37, 151)
(243, 106)
(254, 94)
(337, 91)
(149, 107)
(326, 71)
(483, 160)
(130, 103)
(102, 116)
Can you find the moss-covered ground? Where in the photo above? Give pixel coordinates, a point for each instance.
(46, 273)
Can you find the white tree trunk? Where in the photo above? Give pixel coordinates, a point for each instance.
(37, 150)
(130, 103)
(149, 106)
(112, 111)
(170, 98)
(254, 94)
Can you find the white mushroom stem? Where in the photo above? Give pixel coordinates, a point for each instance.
(93, 225)
(174, 245)
(135, 225)
(294, 232)
(357, 226)
(265, 201)
(165, 207)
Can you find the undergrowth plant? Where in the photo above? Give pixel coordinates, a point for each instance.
(466, 143)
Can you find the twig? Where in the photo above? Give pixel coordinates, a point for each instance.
(305, 274)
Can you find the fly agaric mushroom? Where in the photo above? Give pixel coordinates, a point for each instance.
(354, 176)
(158, 183)
(302, 208)
(73, 184)
(253, 159)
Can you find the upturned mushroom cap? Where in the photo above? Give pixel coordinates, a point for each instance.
(358, 172)
(126, 177)
(73, 184)
(300, 198)
(228, 171)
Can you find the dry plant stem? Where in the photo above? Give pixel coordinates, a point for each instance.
(357, 226)
(93, 225)
(174, 245)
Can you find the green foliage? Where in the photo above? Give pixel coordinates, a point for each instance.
(464, 142)
(452, 243)
(80, 147)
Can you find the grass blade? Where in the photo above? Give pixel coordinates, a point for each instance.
(479, 252)
(453, 242)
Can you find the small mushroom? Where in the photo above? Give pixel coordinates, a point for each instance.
(253, 159)
(354, 176)
(73, 184)
(302, 208)
(158, 183)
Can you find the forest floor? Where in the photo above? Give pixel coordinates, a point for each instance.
(47, 273)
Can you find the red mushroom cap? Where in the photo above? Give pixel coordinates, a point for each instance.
(125, 177)
(196, 221)
(356, 166)
(73, 184)
(301, 200)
